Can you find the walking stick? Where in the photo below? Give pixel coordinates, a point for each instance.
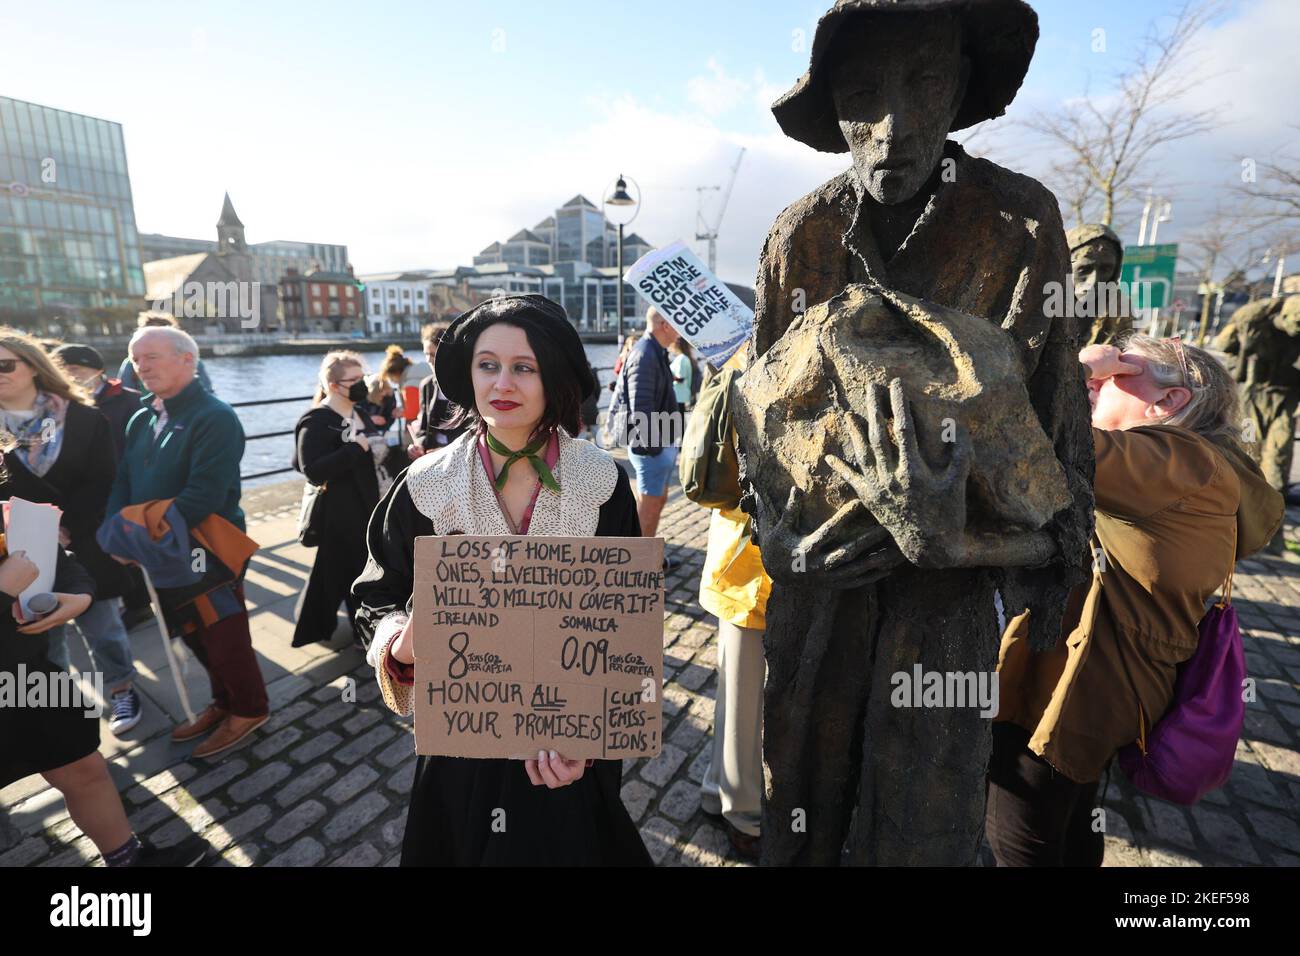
(156, 605)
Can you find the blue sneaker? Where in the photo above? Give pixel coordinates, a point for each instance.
(125, 711)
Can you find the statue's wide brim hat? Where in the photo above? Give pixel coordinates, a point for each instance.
(536, 315)
(999, 36)
(1091, 232)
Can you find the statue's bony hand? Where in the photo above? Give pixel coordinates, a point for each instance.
(923, 508)
(827, 557)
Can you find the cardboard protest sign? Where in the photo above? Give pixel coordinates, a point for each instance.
(529, 643)
(702, 309)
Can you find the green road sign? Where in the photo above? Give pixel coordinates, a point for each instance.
(1148, 275)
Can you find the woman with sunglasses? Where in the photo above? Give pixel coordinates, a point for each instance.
(517, 369)
(58, 737)
(1178, 502)
(332, 450)
(65, 456)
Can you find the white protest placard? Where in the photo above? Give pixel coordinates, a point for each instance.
(703, 310)
(33, 529)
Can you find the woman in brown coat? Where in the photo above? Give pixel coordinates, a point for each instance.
(1178, 503)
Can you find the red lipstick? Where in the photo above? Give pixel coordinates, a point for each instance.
(502, 405)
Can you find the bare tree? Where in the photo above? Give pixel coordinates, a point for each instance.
(985, 140)
(1075, 189)
(1226, 242)
(1273, 188)
(1283, 246)
(1106, 140)
(1280, 186)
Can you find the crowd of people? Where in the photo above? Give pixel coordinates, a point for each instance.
(485, 438)
(171, 464)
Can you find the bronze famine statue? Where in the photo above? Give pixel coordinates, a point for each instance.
(913, 430)
(1096, 257)
(1264, 339)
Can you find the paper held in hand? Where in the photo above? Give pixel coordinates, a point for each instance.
(34, 529)
(529, 643)
(703, 310)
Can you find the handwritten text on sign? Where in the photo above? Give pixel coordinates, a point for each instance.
(538, 643)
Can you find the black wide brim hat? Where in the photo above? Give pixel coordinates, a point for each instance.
(999, 36)
(535, 314)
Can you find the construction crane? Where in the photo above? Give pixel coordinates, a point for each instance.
(707, 232)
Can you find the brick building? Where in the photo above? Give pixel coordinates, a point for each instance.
(322, 302)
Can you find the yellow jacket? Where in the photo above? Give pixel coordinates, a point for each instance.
(733, 585)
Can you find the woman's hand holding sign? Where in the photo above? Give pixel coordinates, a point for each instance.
(552, 770)
(548, 770)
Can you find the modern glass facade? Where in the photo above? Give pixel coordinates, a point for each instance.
(580, 233)
(580, 273)
(154, 246)
(67, 224)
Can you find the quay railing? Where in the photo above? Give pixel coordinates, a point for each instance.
(602, 392)
(281, 434)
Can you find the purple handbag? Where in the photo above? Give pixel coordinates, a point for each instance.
(1191, 750)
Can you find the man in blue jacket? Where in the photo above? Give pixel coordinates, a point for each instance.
(186, 444)
(654, 427)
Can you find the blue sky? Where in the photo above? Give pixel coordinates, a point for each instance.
(419, 133)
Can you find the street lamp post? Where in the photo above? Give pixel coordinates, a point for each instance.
(1280, 258)
(619, 196)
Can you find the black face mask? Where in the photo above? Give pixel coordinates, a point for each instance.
(358, 392)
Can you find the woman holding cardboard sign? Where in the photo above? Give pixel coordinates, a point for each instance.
(516, 366)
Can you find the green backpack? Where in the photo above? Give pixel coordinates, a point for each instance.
(708, 466)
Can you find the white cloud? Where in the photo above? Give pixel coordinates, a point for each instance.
(765, 93)
(717, 91)
(436, 190)
(412, 218)
(1252, 83)
(435, 195)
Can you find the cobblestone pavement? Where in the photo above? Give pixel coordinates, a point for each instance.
(325, 781)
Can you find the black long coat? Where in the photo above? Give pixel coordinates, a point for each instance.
(78, 482)
(351, 492)
(435, 410)
(119, 404)
(584, 824)
(347, 470)
(36, 739)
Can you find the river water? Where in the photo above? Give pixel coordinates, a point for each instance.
(244, 379)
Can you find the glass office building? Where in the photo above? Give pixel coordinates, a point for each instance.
(67, 224)
(580, 233)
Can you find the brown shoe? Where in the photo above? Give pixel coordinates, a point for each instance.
(747, 846)
(200, 725)
(232, 730)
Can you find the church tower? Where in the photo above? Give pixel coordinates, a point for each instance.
(230, 231)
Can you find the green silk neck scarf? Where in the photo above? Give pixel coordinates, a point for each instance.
(531, 454)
